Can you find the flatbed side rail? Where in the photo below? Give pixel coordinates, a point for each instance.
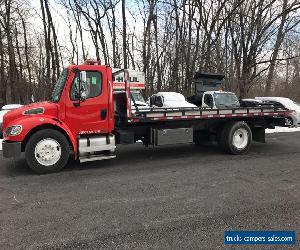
(155, 114)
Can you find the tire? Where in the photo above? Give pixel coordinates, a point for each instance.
(235, 138)
(47, 151)
(289, 121)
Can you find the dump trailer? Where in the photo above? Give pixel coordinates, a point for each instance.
(84, 117)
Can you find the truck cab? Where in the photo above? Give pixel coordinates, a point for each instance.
(79, 114)
(219, 100)
(208, 93)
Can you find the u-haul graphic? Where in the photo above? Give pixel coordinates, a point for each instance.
(137, 80)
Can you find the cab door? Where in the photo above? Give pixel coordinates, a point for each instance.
(88, 115)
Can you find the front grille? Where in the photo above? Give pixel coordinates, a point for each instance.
(8, 130)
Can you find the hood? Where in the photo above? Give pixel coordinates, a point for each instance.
(172, 96)
(179, 104)
(43, 108)
(11, 106)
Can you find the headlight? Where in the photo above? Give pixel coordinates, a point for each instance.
(13, 130)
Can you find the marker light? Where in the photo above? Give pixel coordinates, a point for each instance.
(92, 62)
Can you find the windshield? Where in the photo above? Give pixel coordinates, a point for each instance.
(59, 86)
(137, 96)
(226, 100)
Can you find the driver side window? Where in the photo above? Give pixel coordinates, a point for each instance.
(93, 85)
(208, 100)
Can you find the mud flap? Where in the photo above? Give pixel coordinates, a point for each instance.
(259, 135)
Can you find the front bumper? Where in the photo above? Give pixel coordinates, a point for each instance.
(11, 149)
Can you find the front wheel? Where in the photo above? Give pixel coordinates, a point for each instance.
(47, 151)
(235, 138)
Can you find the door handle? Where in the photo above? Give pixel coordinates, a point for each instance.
(103, 114)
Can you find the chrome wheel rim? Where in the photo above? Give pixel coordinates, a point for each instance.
(240, 138)
(47, 152)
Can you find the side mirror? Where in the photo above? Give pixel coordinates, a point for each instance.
(83, 95)
(160, 102)
(83, 86)
(83, 76)
(151, 101)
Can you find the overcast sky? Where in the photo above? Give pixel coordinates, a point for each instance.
(59, 15)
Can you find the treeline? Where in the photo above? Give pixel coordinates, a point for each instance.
(254, 42)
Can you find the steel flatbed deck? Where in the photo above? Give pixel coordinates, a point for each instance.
(161, 114)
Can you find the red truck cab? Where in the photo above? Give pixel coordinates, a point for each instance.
(81, 104)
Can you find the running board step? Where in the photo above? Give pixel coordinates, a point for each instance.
(95, 158)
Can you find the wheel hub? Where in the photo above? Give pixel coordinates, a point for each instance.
(47, 152)
(240, 138)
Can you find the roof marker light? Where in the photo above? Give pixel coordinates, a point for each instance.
(92, 62)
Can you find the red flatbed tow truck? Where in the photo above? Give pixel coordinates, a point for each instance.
(86, 117)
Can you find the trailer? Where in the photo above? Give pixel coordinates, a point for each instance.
(86, 117)
(137, 85)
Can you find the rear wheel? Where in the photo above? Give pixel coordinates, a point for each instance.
(47, 151)
(235, 138)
